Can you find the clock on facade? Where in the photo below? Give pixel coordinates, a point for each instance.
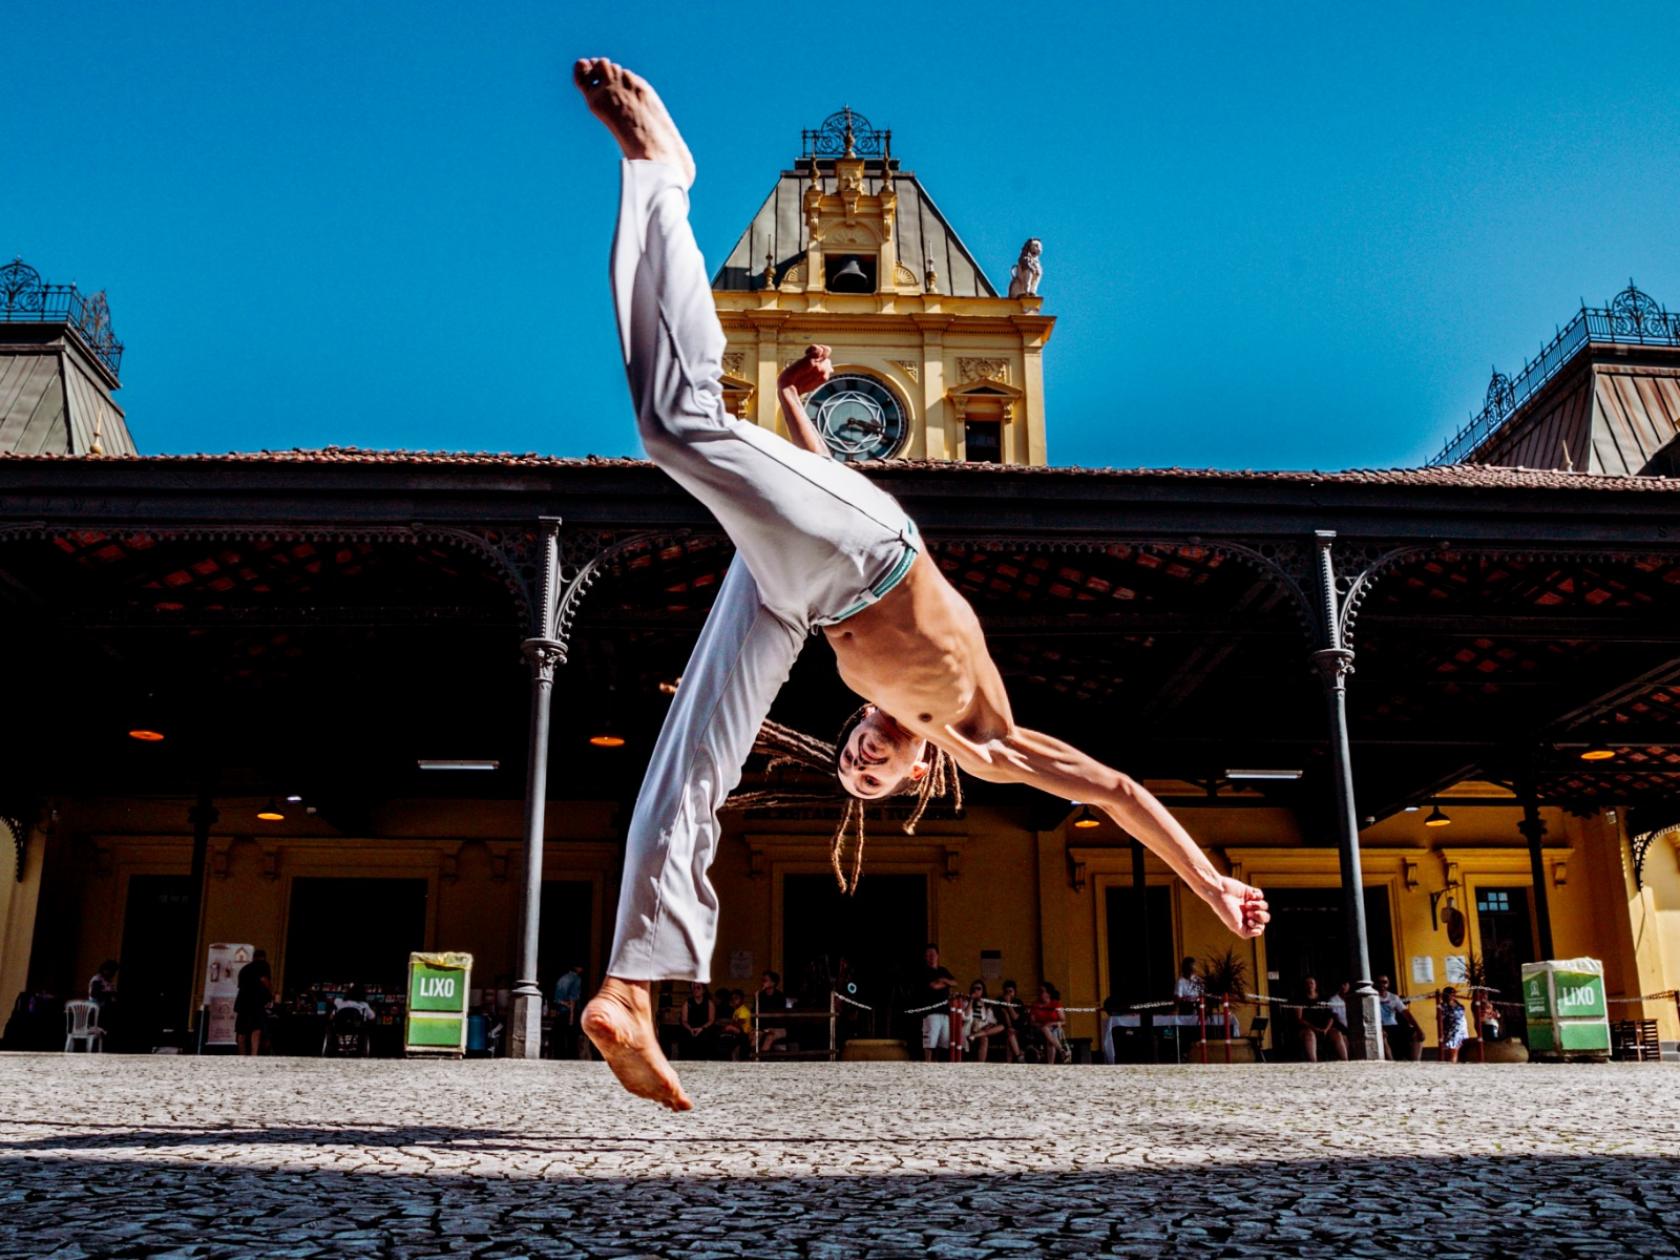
(858, 417)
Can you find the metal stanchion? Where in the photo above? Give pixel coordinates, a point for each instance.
(955, 1017)
(833, 1026)
(1225, 1011)
(1201, 1019)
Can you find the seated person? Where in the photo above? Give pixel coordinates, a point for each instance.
(699, 1023)
(1050, 1024)
(1012, 1016)
(1486, 1015)
(1187, 989)
(355, 1000)
(1317, 1024)
(982, 1023)
(770, 998)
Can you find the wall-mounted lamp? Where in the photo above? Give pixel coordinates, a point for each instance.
(1560, 873)
(1437, 819)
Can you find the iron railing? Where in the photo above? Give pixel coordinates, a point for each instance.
(25, 299)
(1631, 318)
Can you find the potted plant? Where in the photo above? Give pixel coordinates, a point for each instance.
(1224, 978)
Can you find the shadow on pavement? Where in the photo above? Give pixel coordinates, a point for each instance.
(176, 1199)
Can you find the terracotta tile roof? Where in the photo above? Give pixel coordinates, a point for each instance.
(1465, 476)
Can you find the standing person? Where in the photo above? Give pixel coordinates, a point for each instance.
(568, 997)
(1455, 1029)
(1401, 1031)
(250, 1005)
(1051, 1023)
(818, 546)
(936, 986)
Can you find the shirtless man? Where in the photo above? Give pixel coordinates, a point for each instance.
(817, 546)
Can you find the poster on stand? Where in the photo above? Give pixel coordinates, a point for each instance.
(221, 986)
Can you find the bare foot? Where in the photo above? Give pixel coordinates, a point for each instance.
(619, 1020)
(633, 112)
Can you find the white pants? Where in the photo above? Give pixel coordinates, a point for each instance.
(815, 542)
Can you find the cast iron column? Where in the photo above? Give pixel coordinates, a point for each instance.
(1533, 828)
(1335, 662)
(202, 816)
(544, 652)
(1140, 892)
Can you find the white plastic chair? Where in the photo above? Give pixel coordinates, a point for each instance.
(81, 1023)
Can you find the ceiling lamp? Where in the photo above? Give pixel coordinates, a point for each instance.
(1085, 819)
(1437, 819)
(1282, 775)
(1598, 752)
(271, 813)
(457, 763)
(146, 735)
(294, 799)
(607, 738)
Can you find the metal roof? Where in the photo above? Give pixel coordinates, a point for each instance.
(922, 232)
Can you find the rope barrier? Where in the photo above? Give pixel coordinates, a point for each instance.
(1254, 999)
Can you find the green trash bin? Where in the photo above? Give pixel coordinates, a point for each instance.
(438, 985)
(1568, 1017)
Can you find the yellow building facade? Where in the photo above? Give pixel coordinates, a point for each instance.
(931, 362)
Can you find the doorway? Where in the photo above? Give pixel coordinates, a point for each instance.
(1141, 965)
(567, 913)
(353, 931)
(157, 965)
(1306, 937)
(880, 931)
(1505, 921)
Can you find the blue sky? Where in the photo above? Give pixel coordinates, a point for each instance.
(1275, 236)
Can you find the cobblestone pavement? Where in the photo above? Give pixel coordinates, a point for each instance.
(137, 1156)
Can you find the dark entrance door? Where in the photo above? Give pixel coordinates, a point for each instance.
(354, 931)
(881, 931)
(1305, 938)
(566, 926)
(1141, 965)
(1506, 922)
(157, 946)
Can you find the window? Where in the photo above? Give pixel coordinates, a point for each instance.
(984, 440)
(1493, 900)
(850, 273)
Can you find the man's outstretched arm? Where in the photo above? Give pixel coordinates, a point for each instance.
(1046, 763)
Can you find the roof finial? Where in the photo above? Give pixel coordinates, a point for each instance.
(769, 267)
(851, 137)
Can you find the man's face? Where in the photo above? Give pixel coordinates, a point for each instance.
(879, 755)
(1382, 984)
(932, 957)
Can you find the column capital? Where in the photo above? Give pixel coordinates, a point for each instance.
(544, 655)
(1335, 664)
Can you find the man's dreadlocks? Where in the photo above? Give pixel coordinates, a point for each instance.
(785, 747)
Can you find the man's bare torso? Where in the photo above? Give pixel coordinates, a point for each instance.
(919, 654)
